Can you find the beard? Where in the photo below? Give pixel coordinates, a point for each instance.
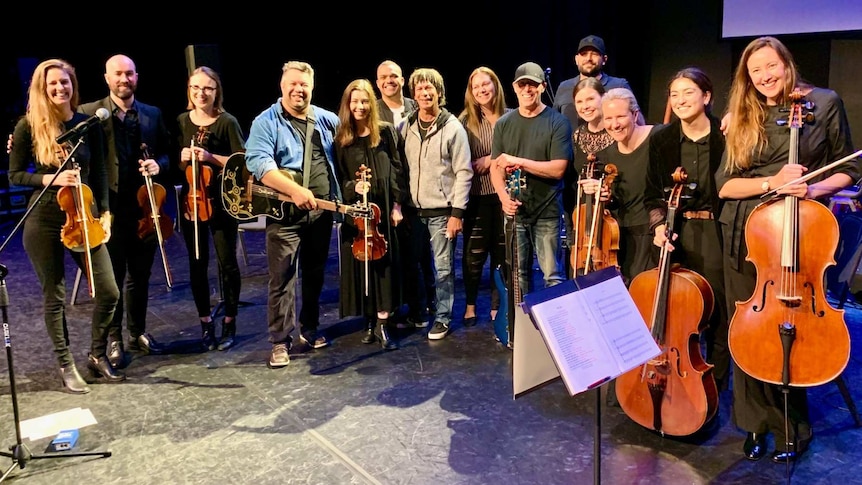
(590, 72)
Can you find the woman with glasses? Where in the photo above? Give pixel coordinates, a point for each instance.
(209, 135)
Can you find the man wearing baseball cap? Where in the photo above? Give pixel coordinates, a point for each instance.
(590, 59)
(537, 140)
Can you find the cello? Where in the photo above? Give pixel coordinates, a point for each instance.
(674, 393)
(787, 333)
(596, 232)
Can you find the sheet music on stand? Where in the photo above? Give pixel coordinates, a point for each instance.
(591, 328)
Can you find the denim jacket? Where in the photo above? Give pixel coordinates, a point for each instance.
(273, 143)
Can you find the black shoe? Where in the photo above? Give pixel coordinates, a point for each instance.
(755, 446)
(793, 452)
(228, 332)
(208, 339)
(145, 343)
(369, 337)
(116, 354)
(100, 367)
(72, 381)
(383, 333)
(313, 339)
(469, 321)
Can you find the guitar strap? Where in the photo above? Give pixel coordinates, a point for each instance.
(307, 149)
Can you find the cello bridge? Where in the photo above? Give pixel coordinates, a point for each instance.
(792, 301)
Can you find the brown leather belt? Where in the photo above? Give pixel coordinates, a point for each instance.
(697, 215)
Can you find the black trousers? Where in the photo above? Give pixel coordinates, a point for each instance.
(223, 229)
(699, 249)
(132, 257)
(483, 237)
(300, 244)
(41, 238)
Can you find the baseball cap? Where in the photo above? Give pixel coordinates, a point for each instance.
(531, 71)
(592, 42)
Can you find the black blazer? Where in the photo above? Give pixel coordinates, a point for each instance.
(665, 158)
(154, 133)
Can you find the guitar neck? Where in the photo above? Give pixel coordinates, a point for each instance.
(329, 205)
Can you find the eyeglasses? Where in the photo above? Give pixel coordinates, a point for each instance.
(205, 89)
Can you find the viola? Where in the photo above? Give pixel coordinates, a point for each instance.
(151, 199)
(369, 243)
(674, 393)
(597, 233)
(787, 333)
(198, 203)
(81, 232)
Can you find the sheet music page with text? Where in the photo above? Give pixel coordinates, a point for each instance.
(594, 334)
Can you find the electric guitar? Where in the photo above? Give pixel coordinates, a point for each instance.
(245, 199)
(504, 321)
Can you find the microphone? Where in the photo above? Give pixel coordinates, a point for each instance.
(547, 72)
(78, 131)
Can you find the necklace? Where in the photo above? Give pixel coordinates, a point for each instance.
(424, 126)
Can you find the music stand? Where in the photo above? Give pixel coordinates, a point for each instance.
(19, 452)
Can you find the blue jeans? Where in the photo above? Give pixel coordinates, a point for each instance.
(444, 263)
(544, 238)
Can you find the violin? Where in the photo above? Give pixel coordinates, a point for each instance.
(674, 393)
(369, 244)
(81, 232)
(151, 199)
(787, 333)
(597, 233)
(198, 203)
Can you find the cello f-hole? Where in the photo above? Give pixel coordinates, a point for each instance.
(759, 308)
(819, 313)
(679, 371)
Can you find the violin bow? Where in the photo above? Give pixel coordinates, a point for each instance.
(154, 213)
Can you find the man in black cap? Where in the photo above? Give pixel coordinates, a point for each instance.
(590, 59)
(537, 140)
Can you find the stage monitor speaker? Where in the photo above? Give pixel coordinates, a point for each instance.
(202, 55)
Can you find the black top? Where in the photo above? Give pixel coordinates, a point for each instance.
(825, 140)
(90, 157)
(666, 156)
(627, 203)
(223, 137)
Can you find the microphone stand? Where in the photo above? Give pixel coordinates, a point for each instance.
(548, 88)
(19, 452)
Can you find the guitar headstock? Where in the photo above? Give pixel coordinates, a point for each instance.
(515, 183)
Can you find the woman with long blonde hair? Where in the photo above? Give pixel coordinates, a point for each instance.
(51, 111)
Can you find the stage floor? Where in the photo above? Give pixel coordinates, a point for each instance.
(431, 412)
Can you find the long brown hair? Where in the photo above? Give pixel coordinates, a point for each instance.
(747, 107)
(346, 132)
(45, 118)
(471, 115)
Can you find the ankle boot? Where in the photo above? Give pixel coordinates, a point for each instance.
(72, 380)
(228, 332)
(100, 367)
(369, 337)
(208, 339)
(385, 342)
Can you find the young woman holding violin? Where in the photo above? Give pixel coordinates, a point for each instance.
(755, 162)
(369, 285)
(694, 142)
(209, 135)
(52, 102)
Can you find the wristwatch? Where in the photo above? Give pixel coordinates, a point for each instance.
(765, 185)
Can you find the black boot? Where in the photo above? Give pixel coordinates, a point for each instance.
(208, 339)
(369, 337)
(100, 367)
(228, 332)
(72, 380)
(385, 342)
